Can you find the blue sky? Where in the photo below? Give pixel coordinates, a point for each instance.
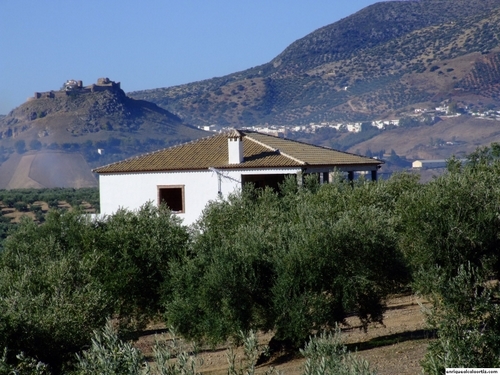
(147, 44)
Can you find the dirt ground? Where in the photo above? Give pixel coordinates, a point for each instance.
(395, 348)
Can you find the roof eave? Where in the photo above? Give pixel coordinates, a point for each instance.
(243, 166)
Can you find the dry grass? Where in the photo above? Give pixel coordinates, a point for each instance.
(397, 347)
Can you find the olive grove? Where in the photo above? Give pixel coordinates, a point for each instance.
(293, 262)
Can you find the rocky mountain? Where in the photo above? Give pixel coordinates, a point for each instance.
(377, 63)
(55, 138)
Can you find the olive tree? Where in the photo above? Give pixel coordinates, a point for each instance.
(292, 261)
(59, 281)
(450, 234)
(49, 299)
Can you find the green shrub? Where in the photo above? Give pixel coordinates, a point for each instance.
(35, 144)
(252, 353)
(466, 315)
(21, 206)
(326, 354)
(108, 355)
(453, 220)
(450, 234)
(35, 208)
(20, 146)
(138, 250)
(173, 357)
(24, 366)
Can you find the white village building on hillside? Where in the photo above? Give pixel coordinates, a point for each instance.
(190, 175)
(431, 164)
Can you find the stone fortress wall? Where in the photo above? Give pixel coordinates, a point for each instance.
(72, 87)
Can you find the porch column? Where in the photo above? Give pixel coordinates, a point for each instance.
(300, 178)
(374, 175)
(331, 176)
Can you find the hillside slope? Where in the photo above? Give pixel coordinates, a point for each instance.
(375, 63)
(46, 169)
(67, 133)
(455, 136)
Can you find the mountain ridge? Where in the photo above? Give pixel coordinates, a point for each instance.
(359, 68)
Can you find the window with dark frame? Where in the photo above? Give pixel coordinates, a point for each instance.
(172, 196)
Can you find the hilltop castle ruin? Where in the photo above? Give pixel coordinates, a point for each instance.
(72, 87)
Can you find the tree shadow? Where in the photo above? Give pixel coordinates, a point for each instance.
(285, 355)
(396, 338)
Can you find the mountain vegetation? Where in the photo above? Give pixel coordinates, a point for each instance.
(380, 61)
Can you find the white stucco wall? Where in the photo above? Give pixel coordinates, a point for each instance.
(132, 190)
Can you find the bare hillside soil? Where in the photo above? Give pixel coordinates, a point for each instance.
(395, 348)
(46, 169)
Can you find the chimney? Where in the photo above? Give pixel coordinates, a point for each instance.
(235, 147)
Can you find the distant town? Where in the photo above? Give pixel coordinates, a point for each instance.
(419, 115)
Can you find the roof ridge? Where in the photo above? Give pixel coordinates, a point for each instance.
(275, 149)
(291, 157)
(260, 143)
(233, 133)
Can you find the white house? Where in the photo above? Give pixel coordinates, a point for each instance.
(354, 128)
(430, 164)
(190, 175)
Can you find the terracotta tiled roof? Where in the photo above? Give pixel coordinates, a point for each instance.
(259, 151)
